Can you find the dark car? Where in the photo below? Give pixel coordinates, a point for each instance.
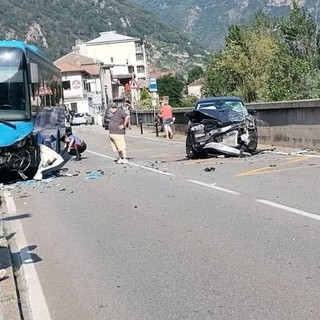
(220, 125)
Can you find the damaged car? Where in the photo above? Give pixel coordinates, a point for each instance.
(221, 125)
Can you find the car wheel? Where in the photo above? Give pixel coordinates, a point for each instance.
(190, 151)
(253, 141)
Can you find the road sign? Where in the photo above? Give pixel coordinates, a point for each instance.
(153, 87)
(134, 84)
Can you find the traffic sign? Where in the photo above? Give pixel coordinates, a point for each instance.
(134, 84)
(153, 87)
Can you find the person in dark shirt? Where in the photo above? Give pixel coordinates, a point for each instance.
(73, 145)
(117, 128)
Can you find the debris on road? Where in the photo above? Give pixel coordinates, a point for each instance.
(209, 169)
(94, 175)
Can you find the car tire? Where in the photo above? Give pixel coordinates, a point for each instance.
(190, 151)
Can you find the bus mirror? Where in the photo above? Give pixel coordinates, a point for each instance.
(34, 75)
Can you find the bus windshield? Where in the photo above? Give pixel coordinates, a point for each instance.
(14, 103)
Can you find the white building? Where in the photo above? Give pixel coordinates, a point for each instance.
(82, 84)
(125, 56)
(195, 87)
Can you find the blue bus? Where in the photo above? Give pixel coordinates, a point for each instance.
(31, 107)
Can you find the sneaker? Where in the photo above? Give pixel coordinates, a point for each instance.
(124, 161)
(119, 161)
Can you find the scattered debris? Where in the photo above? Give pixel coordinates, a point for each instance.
(94, 175)
(50, 160)
(208, 169)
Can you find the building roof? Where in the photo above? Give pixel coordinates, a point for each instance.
(111, 37)
(73, 62)
(196, 83)
(159, 74)
(73, 57)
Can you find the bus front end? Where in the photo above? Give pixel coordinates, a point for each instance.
(17, 146)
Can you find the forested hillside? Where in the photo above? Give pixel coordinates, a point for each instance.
(54, 25)
(208, 20)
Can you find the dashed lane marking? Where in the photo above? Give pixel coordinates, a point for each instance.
(229, 191)
(134, 164)
(289, 209)
(213, 186)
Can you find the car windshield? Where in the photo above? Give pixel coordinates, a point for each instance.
(223, 110)
(13, 85)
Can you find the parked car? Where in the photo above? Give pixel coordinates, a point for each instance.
(221, 125)
(82, 118)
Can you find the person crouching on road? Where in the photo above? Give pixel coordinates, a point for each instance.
(73, 145)
(117, 129)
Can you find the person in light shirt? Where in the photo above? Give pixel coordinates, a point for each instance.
(165, 114)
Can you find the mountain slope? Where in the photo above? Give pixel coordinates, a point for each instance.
(54, 25)
(207, 20)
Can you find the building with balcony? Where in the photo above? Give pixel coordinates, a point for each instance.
(125, 56)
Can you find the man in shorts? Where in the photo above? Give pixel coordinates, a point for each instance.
(165, 114)
(117, 129)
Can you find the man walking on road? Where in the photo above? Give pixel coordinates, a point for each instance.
(117, 129)
(165, 114)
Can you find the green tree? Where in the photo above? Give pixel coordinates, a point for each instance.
(171, 86)
(268, 59)
(145, 95)
(242, 68)
(194, 74)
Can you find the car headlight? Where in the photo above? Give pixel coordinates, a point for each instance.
(199, 127)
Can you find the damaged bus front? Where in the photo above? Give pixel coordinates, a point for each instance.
(220, 125)
(30, 115)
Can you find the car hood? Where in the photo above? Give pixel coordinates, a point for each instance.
(223, 116)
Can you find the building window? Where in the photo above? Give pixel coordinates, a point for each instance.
(140, 69)
(139, 57)
(138, 47)
(66, 85)
(88, 87)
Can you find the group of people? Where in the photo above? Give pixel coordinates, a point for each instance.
(119, 120)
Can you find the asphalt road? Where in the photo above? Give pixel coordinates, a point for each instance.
(164, 237)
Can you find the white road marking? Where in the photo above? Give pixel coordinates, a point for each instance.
(134, 164)
(38, 306)
(156, 139)
(213, 186)
(289, 209)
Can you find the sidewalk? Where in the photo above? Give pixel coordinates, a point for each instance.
(9, 303)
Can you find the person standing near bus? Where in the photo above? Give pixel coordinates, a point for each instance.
(117, 129)
(165, 114)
